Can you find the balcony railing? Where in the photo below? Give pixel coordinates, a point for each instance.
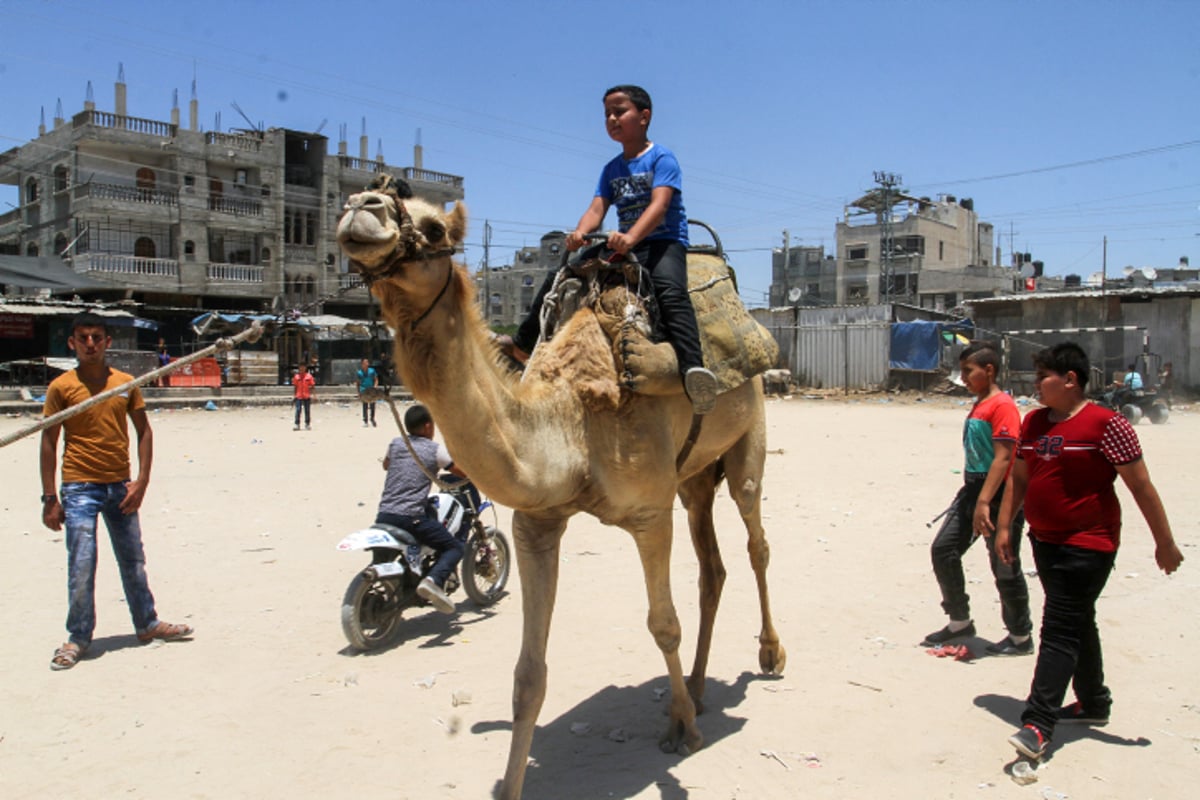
(233, 205)
(126, 265)
(304, 253)
(429, 176)
(408, 173)
(129, 194)
(350, 280)
(234, 273)
(236, 141)
(106, 119)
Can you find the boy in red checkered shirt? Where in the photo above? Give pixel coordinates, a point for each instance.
(1068, 457)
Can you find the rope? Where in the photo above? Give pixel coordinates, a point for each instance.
(251, 334)
(375, 394)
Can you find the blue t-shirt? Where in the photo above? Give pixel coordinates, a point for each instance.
(1133, 380)
(366, 379)
(628, 185)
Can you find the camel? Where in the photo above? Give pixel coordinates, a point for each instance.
(564, 438)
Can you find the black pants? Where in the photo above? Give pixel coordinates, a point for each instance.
(955, 537)
(367, 406)
(430, 532)
(1069, 651)
(666, 261)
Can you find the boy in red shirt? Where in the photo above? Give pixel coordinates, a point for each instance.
(1068, 458)
(989, 437)
(303, 383)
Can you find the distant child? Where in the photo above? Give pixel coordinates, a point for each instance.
(302, 389)
(1068, 457)
(646, 185)
(989, 437)
(367, 379)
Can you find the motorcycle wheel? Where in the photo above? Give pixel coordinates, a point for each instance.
(370, 613)
(485, 567)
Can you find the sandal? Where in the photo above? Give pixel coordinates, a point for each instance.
(66, 656)
(166, 631)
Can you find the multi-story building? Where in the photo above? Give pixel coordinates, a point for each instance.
(802, 275)
(174, 217)
(941, 254)
(507, 292)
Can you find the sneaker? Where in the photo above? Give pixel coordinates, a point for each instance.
(434, 594)
(1076, 714)
(701, 388)
(296, 428)
(946, 635)
(165, 631)
(373, 424)
(1029, 742)
(1007, 647)
(307, 427)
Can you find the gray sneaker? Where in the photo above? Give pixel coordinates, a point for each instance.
(701, 388)
(434, 594)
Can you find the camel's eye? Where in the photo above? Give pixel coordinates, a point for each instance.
(433, 231)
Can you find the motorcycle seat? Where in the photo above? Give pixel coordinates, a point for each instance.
(402, 535)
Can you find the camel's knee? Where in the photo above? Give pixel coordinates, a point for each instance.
(529, 687)
(665, 630)
(760, 552)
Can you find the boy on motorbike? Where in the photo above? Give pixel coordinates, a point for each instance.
(403, 502)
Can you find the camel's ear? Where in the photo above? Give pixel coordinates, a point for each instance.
(456, 223)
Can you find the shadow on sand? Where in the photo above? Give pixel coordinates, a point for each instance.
(1009, 710)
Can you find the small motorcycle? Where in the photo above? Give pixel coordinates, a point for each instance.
(378, 595)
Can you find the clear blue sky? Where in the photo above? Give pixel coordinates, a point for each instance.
(1065, 121)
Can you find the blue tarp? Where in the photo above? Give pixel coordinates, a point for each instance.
(918, 345)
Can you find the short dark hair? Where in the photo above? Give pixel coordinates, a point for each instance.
(89, 319)
(637, 95)
(1065, 357)
(983, 353)
(416, 418)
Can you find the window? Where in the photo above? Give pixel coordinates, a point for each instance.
(941, 250)
(527, 280)
(856, 252)
(310, 228)
(60, 178)
(31, 249)
(189, 180)
(144, 247)
(216, 187)
(146, 179)
(239, 176)
(60, 243)
(189, 248)
(265, 255)
(31, 190)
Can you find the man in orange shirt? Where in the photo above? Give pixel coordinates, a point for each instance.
(96, 481)
(303, 383)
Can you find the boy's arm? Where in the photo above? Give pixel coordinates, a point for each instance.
(1001, 458)
(136, 490)
(1014, 498)
(589, 222)
(52, 513)
(653, 215)
(1137, 478)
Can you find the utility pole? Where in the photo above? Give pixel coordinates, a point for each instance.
(888, 181)
(487, 273)
(787, 279)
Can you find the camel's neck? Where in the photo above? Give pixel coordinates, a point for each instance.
(510, 439)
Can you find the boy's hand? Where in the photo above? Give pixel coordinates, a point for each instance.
(53, 515)
(574, 240)
(620, 242)
(982, 521)
(1168, 557)
(1003, 545)
(135, 491)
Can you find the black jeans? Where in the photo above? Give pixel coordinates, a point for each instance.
(367, 406)
(666, 261)
(955, 537)
(1069, 651)
(430, 532)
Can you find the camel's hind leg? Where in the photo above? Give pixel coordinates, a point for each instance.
(744, 464)
(537, 543)
(653, 536)
(697, 494)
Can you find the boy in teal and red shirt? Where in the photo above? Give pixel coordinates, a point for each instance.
(989, 438)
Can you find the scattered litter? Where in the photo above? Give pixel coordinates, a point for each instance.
(865, 686)
(617, 735)
(773, 755)
(959, 652)
(460, 698)
(1023, 773)
(778, 687)
(350, 680)
(580, 728)
(210, 406)
(427, 682)
(1131, 574)
(1049, 794)
(659, 694)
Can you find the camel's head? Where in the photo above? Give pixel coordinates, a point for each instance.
(384, 227)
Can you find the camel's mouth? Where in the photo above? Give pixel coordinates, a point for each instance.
(368, 231)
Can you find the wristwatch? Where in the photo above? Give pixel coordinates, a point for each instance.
(49, 498)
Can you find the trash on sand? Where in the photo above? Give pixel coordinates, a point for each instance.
(1024, 773)
(580, 728)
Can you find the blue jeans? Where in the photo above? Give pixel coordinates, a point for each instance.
(1069, 652)
(434, 534)
(305, 404)
(83, 503)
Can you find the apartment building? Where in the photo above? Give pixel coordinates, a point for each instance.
(176, 218)
(507, 292)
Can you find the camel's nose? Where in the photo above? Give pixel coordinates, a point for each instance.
(370, 202)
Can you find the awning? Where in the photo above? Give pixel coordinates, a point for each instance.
(42, 272)
(114, 317)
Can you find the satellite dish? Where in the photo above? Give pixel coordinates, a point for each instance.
(794, 294)
(1128, 271)
(1027, 270)
(1150, 272)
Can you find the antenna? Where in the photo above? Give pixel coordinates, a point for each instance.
(238, 109)
(322, 125)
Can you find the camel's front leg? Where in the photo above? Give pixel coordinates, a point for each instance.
(697, 494)
(654, 547)
(537, 543)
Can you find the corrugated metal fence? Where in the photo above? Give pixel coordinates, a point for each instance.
(832, 348)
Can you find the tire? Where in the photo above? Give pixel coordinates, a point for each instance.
(371, 613)
(485, 567)
(1158, 413)
(1132, 413)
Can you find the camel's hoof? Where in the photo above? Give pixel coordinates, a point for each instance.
(772, 658)
(680, 741)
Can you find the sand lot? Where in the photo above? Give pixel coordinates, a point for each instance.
(267, 701)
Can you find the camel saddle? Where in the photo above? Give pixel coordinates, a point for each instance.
(734, 345)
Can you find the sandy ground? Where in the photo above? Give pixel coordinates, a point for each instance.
(267, 701)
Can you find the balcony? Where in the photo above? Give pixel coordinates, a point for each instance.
(106, 119)
(350, 280)
(129, 194)
(299, 254)
(235, 206)
(116, 264)
(234, 141)
(233, 273)
(408, 173)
